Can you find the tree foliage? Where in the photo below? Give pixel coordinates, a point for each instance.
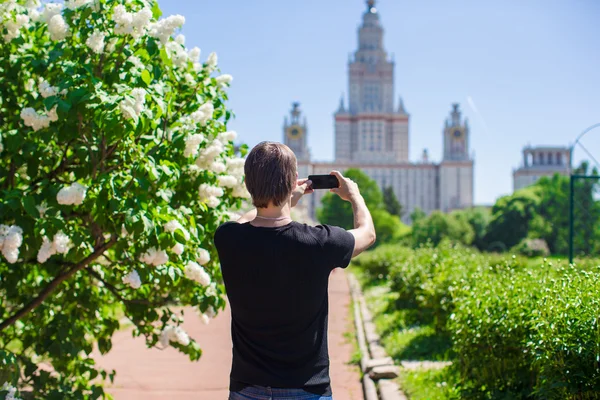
(392, 205)
(115, 169)
(437, 226)
(335, 211)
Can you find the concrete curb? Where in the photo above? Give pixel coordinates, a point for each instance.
(375, 363)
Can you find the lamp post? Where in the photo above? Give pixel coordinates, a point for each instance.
(572, 188)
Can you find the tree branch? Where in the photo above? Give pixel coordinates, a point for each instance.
(55, 283)
(116, 293)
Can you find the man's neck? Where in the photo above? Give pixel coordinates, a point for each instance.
(273, 215)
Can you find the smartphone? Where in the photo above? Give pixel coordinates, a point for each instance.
(324, 181)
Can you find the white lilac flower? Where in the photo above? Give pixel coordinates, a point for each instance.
(226, 137)
(13, 27)
(192, 143)
(209, 154)
(123, 19)
(224, 79)
(96, 42)
(33, 119)
(73, 194)
(30, 85)
(154, 257)
(210, 312)
(164, 29)
(205, 191)
(50, 10)
(203, 114)
(34, 15)
(112, 44)
(178, 249)
(228, 181)
(241, 191)
(235, 167)
(138, 66)
(140, 22)
(58, 28)
(213, 202)
(177, 54)
(205, 319)
(212, 61)
(203, 256)
(218, 167)
(32, 4)
(42, 208)
(180, 39)
(46, 90)
(75, 4)
(11, 239)
(53, 115)
(189, 79)
(60, 244)
(194, 56)
(174, 334)
(133, 280)
(132, 108)
(46, 251)
(174, 225)
(196, 273)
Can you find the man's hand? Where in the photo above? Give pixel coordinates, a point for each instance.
(302, 188)
(348, 188)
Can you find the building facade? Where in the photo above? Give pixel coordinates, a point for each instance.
(372, 134)
(541, 161)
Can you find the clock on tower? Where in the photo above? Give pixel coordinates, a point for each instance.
(456, 137)
(295, 133)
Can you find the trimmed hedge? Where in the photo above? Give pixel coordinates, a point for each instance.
(520, 328)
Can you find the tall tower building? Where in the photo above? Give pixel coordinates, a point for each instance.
(371, 129)
(296, 133)
(456, 169)
(371, 133)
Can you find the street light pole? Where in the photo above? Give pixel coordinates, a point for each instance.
(572, 190)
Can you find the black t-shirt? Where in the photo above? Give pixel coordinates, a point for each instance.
(276, 281)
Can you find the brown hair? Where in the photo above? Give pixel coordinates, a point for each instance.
(270, 173)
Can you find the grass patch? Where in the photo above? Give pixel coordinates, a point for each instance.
(430, 384)
(419, 343)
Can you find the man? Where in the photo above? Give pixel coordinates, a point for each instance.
(276, 273)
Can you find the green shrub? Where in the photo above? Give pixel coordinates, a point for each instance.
(520, 328)
(532, 248)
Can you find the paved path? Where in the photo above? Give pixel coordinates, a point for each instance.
(152, 374)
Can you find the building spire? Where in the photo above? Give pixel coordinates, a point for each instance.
(342, 108)
(401, 109)
(370, 4)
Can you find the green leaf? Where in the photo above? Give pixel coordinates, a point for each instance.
(146, 77)
(156, 12)
(50, 102)
(64, 106)
(29, 206)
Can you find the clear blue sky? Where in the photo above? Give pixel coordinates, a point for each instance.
(532, 68)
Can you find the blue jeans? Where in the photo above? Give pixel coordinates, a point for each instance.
(267, 393)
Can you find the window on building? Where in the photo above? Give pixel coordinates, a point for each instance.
(541, 158)
(550, 161)
(559, 158)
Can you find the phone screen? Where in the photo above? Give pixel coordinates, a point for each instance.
(324, 181)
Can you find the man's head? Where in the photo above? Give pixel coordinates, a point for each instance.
(271, 174)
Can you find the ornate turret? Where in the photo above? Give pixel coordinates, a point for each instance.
(295, 131)
(456, 136)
